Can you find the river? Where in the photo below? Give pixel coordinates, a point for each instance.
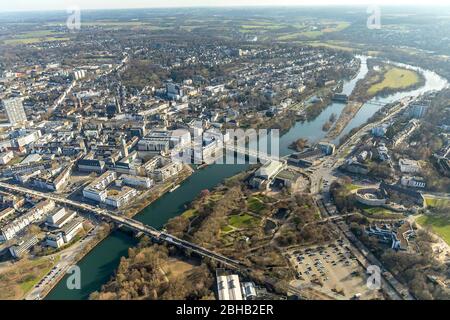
(99, 265)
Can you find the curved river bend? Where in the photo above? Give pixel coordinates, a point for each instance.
(99, 265)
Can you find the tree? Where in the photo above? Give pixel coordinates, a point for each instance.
(300, 144)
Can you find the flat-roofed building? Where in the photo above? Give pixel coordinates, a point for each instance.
(14, 110)
(6, 157)
(71, 229)
(409, 166)
(96, 190)
(59, 217)
(118, 199)
(137, 181)
(36, 213)
(5, 213)
(20, 249)
(415, 182)
(168, 171)
(55, 240)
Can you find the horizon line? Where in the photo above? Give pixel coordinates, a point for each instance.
(359, 5)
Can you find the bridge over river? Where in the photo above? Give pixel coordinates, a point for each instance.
(129, 223)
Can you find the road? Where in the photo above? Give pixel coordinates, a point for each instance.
(128, 222)
(326, 173)
(68, 258)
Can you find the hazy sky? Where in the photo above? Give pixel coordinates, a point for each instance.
(20, 5)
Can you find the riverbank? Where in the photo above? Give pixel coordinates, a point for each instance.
(349, 112)
(381, 80)
(78, 251)
(152, 195)
(385, 79)
(138, 205)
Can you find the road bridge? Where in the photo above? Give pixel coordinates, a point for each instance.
(128, 222)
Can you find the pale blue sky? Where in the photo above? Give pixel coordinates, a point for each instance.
(25, 5)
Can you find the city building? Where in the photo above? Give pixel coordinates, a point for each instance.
(379, 131)
(55, 240)
(6, 157)
(59, 216)
(270, 169)
(71, 229)
(89, 165)
(137, 181)
(119, 198)
(265, 174)
(96, 190)
(249, 290)
(327, 148)
(15, 111)
(20, 249)
(36, 213)
(415, 182)
(5, 213)
(52, 181)
(167, 171)
(408, 166)
(418, 111)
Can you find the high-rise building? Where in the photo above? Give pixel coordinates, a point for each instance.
(14, 110)
(418, 111)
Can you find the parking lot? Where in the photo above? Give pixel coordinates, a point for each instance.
(333, 269)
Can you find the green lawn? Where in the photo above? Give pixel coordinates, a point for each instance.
(439, 225)
(437, 203)
(40, 268)
(243, 220)
(331, 45)
(189, 213)
(227, 229)
(255, 204)
(395, 78)
(34, 40)
(378, 212)
(351, 187)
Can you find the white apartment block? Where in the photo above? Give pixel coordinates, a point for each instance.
(137, 181)
(34, 214)
(15, 111)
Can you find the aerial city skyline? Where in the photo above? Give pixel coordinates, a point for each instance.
(204, 153)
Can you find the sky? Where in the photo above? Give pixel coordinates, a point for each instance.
(33, 5)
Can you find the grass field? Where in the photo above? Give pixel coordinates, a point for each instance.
(243, 220)
(189, 213)
(35, 36)
(439, 225)
(255, 205)
(351, 187)
(34, 40)
(437, 203)
(378, 212)
(19, 278)
(313, 34)
(331, 45)
(395, 78)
